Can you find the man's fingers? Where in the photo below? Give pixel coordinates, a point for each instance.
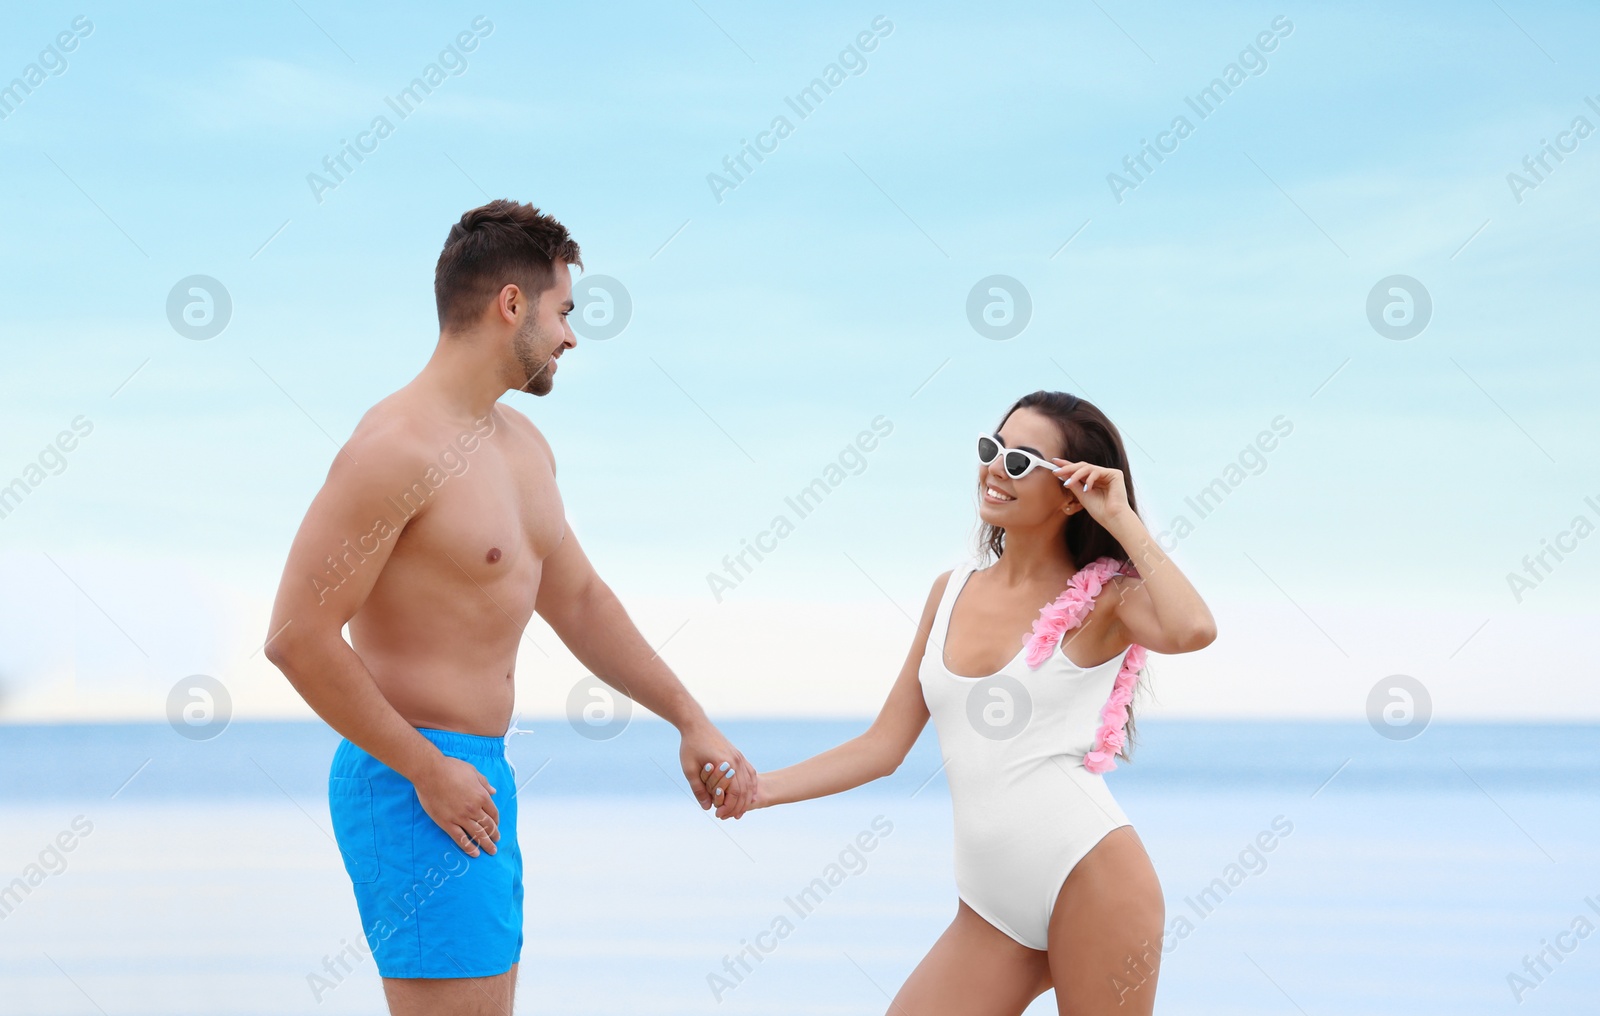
(747, 791)
(701, 794)
(482, 837)
(740, 793)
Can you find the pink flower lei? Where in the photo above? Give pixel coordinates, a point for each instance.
(1066, 613)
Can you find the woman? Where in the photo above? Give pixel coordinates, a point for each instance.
(1055, 887)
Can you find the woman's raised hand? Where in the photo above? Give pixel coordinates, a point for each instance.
(1100, 489)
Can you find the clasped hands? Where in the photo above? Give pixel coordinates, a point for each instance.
(718, 781)
(728, 784)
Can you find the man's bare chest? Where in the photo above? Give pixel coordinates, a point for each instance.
(490, 516)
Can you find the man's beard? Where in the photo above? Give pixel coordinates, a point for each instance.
(537, 371)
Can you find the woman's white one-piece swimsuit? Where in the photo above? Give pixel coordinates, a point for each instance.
(1026, 810)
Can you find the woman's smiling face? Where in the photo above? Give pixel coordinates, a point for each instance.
(1037, 497)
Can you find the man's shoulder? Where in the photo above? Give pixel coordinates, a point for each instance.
(387, 436)
(388, 420)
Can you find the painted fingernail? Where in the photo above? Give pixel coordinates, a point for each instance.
(723, 767)
(707, 768)
(719, 791)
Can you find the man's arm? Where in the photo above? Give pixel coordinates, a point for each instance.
(306, 634)
(586, 614)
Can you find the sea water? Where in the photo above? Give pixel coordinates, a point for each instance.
(1308, 867)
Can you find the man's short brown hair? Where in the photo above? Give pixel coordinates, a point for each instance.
(495, 244)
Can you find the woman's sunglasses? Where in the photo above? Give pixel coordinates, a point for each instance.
(1018, 463)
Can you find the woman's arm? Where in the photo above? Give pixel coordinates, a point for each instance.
(873, 754)
(1160, 609)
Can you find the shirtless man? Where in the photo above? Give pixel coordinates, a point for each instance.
(437, 534)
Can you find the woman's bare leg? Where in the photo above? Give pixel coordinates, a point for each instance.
(975, 969)
(1105, 931)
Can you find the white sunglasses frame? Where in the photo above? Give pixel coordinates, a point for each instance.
(1034, 461)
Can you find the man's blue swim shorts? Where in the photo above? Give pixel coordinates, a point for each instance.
(428, 909)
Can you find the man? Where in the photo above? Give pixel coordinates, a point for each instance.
(437, 534)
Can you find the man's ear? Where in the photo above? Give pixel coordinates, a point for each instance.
(509, 301)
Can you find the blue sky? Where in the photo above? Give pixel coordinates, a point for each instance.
(827, 289)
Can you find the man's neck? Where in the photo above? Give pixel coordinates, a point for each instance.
(463, 377)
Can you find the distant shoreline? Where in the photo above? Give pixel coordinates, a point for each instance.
(122, 761)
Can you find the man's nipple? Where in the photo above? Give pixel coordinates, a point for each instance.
(493, 555)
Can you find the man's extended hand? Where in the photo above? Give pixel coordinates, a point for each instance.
(706, 745)
(457, 797)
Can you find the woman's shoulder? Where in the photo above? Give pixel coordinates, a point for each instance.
(941, 582)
